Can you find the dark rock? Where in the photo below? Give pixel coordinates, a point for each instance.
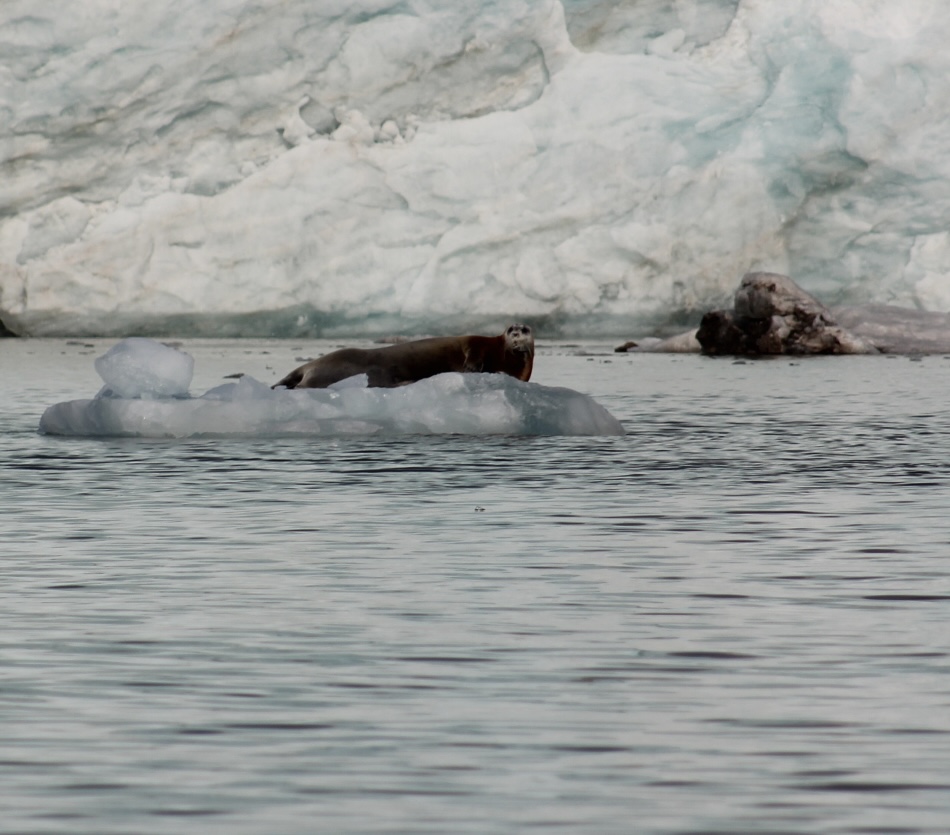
(719, 334)
(773, 315)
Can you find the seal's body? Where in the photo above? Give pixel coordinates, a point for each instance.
(397, 365)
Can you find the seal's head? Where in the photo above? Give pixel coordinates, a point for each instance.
(520, 339)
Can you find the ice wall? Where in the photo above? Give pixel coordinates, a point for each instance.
(318, 167)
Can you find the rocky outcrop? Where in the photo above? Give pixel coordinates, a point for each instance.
(772, 315)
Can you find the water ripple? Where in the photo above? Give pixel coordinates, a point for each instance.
(733, 619)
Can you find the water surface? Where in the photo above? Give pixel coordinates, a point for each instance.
(736, 618)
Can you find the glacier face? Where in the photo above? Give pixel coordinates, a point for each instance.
(318, 167)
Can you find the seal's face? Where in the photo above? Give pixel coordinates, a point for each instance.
(519, 338)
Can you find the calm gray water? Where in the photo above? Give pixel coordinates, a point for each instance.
(734, 619)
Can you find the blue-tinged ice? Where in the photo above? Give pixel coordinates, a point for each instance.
(318, 168)
(463, 404)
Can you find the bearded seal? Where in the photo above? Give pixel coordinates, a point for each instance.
(406, 362)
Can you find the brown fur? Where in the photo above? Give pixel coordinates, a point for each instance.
(396, 365)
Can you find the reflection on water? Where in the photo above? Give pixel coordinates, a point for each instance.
(733, 619)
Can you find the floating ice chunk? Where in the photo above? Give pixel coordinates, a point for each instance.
(470, 404)
(139, 367)
(146, 395)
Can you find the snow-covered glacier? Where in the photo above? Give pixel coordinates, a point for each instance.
(317, 167)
